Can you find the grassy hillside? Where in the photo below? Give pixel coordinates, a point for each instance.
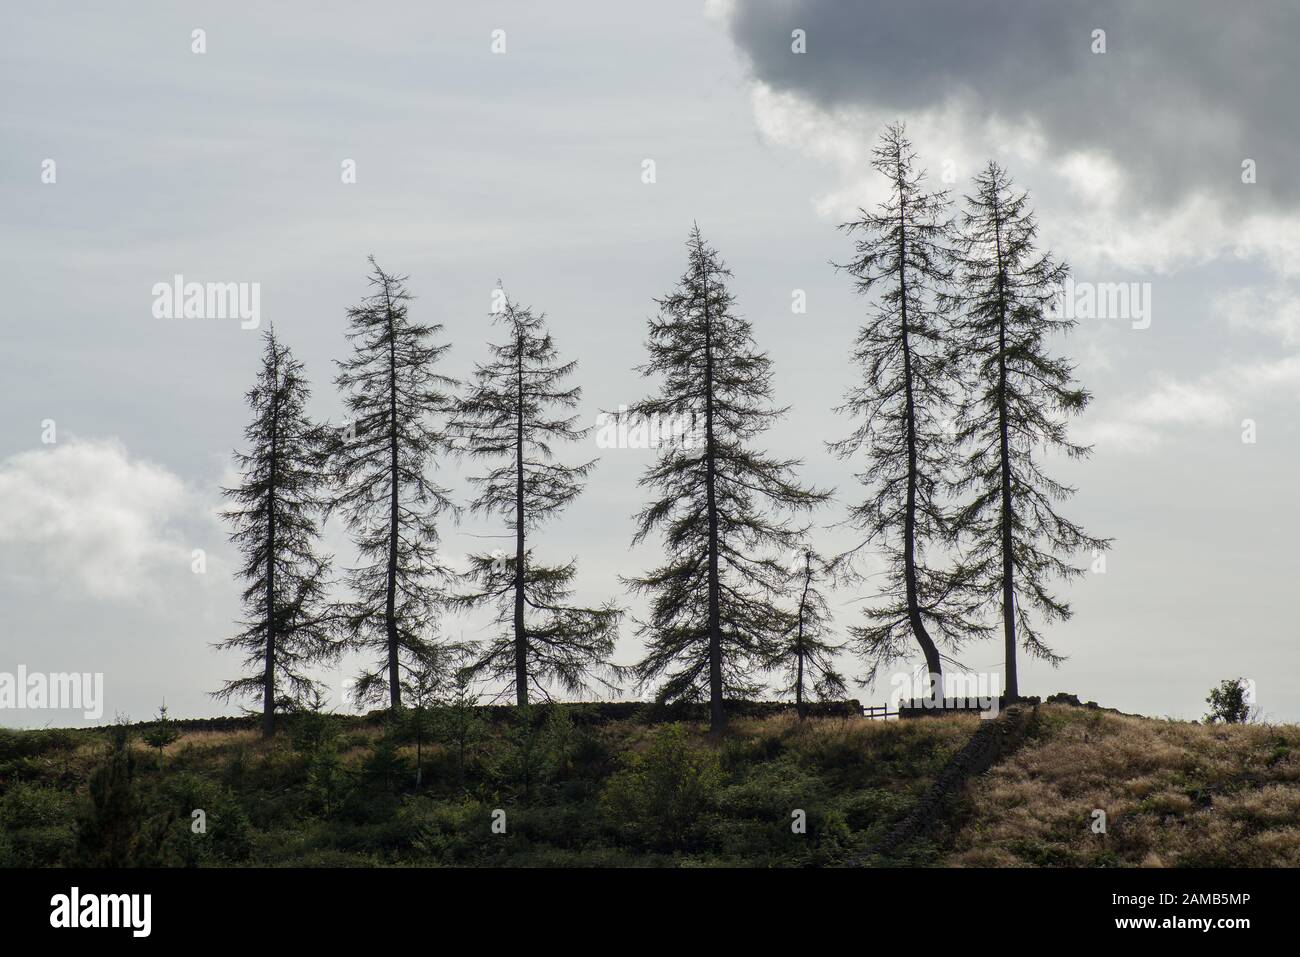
(1176, 794)
(577, 789)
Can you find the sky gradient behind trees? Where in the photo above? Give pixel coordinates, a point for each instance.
(226, 166)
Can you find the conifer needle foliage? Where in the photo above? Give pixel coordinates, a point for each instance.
(723, 506)
(515, 412)
(276, 515)
(383, 462)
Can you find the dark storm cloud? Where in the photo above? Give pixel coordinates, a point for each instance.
(1186, 90)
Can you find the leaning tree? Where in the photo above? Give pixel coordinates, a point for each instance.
(1015, 409)
(723, 506)
(516, 411)
(276, 520)
(902, 257)
(397, 404)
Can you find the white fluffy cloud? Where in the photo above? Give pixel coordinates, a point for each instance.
(85, 514)
(1273, 312)
(1217, 400)
(1083, 197)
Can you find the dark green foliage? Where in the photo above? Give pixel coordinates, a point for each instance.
(579, 787)
(111, 827)
(276, 517)
(19, 744)
(521, 763)
(458, 725)
(721, 505)
(313, 731)
(561, 738)
(226, 836)
(661, 794)
(385, 768)
(35, 825)
(449, 833)
(1229, 703)
(517, 409)
(417, 724)
(161, 733)
(396, 403)
(540, 753)
(314, 737)
(24, 754)
(327, 784)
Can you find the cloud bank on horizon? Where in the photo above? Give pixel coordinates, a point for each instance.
(1179, 90)
(1129, 124)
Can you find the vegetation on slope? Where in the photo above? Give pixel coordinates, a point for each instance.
(1174, 793)
(579, 788)
(338, 791)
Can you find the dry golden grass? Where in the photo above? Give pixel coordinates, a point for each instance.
(205, 742)
(948, 730)
(1174, 794)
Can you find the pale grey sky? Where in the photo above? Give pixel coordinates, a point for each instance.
(225, 166)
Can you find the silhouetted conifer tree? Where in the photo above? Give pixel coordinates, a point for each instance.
(805, 652)
(512, 416)
(722, 506)
(276, 517)
(1016, 406)
(903, 256)
(396, 401)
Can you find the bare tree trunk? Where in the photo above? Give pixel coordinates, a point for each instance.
(799, 645)
(521, 637)
(1008, 567)
(933, 663)
(1010, 679)
(390, 608)
(717, 718)
(268, 677)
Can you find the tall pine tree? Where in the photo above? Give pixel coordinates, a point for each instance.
(396, 403)
(723, 507)
(1016, 406)
(512, 416)
(806, 653)
(276, 516)
(903, 255)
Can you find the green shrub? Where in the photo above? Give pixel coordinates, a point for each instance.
(38, 824)
(450, 832)
(161, 733)
(16, 744)
(592, 757)
(385, 768)
(312, 731)
(739, 753)
(770, 791)
(327, 784)
(831, 837)
(110, 827)
(226, 836)
(1230, 702)
(560, 739)
(30, 805)
(661, 795)
(521, 760)
(873, 808)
